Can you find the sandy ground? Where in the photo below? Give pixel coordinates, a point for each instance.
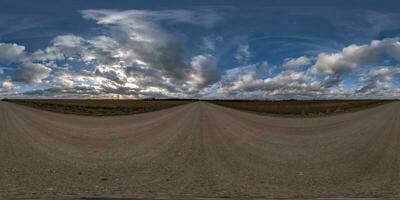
(199, 150)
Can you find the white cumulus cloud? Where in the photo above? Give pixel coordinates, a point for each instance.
(7, 84)
(296, 62)
(354, 55)
(11, 52)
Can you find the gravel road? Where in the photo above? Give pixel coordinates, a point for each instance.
(199, 150)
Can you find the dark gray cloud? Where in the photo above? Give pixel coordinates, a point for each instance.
(31, 73)
(204, 71)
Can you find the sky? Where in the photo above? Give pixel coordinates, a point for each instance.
(286, 49)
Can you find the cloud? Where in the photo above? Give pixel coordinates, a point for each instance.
(65, 47)
(247, 77)
(250, 82)
(331, 81)
(205, 71)
(103, 50)
(11, 52)
(296, 62)
(243, 78)
(243, 54)
(209, 43)
(379, 81)
(334, 63)
(138, 19)
(62, 92)
(385, 73)
(354, 55)
(7, 84)
(31, 73)
(143, 39)
(137, 51)
(292, 84)
(143, 53)
(49, 54)
(286, 79)
(68, 41)
(64, 80)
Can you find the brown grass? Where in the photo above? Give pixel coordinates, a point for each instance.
(302, 108)
(99, 107)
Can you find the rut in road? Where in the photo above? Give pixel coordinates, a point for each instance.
(199, 150)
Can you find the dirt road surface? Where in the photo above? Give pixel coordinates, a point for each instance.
(199, 150)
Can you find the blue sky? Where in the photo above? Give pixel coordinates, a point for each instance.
(205, 49)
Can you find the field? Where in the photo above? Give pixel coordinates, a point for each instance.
(99, 107)
(126, 107)
(302, 108)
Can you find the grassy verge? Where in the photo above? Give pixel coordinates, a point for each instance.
(99, 107)
(302, 108)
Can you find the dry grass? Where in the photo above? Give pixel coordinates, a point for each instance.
(99, 107)
(125, 107)
(302, 108)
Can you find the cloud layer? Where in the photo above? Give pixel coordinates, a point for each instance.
(143, 53)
